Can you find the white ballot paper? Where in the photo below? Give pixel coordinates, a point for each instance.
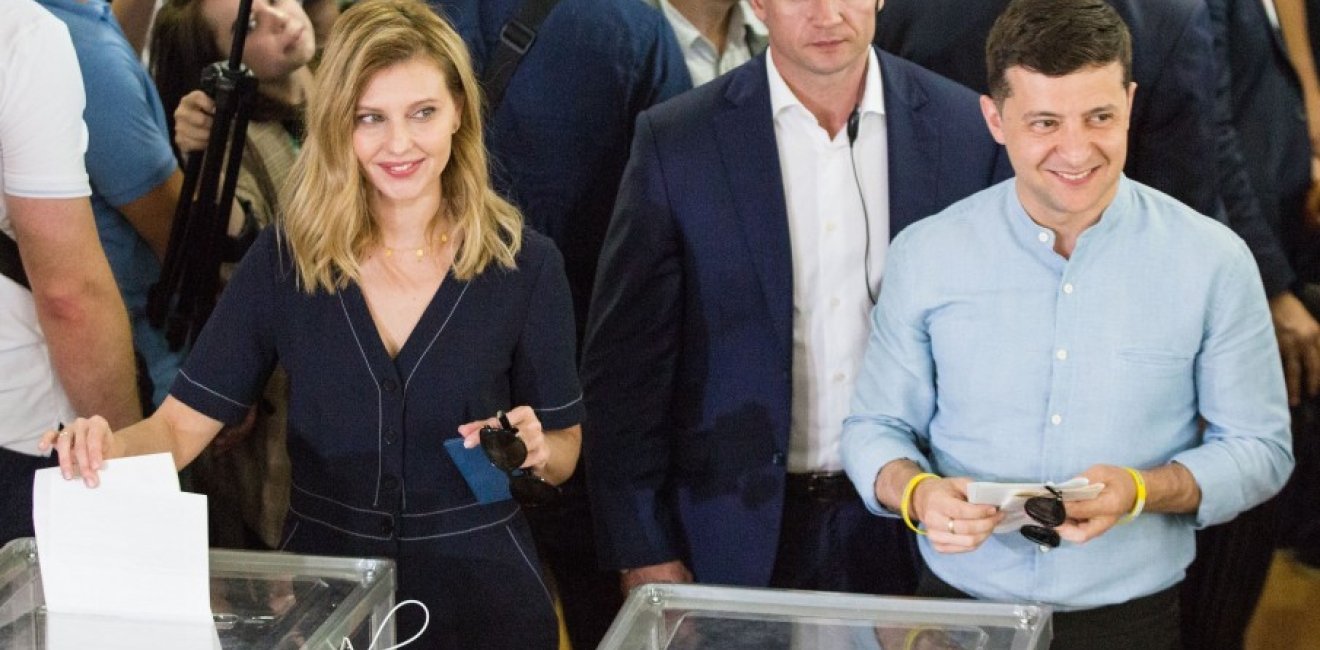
(1012, 497)
(132, 550)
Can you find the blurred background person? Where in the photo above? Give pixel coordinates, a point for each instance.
(65, 345)
(1265, 174)
(134, 177)
(246, 473)
(715, 36)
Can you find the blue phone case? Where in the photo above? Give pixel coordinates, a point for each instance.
(485, 480)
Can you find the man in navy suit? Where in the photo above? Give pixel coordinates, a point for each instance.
(1171, 143)
(731, 304)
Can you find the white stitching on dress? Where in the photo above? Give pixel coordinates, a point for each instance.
(560, 408)
(437, 336)
(536, 572)
(293, 531)
(460, 532)
(440, 512)
(334, 527)
(338, 503)
(195, 383)
(380, 409)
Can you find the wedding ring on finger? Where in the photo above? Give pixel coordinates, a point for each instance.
(950, 527)
(61, 435)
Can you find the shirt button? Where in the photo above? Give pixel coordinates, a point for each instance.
(831, 226)
(777, 458)
(1061, 355)
(1068, 288)
(1043, 237)
(391, 437)
(1056, 419)
(834, 302)
(389, 385)
(839, 377)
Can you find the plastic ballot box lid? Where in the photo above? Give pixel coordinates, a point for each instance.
(697, 617)
(259, 600)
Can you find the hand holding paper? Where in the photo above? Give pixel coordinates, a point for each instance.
(81, 447)
(1011, 498)
(132, 549)
(1092, 518)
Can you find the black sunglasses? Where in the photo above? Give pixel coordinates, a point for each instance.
(508, 452)
(1048, 511)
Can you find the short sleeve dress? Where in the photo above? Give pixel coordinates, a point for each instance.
(366, 432)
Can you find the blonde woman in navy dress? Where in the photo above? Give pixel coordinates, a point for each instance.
(408, 305)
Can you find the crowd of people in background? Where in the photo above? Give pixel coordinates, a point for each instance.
(818, 264)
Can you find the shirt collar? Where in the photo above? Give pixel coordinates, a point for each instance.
(1031, 232)
(741, 21)
(782, 97)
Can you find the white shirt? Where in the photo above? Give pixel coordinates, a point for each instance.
(42, 144)
(703, 62)
(828, 230)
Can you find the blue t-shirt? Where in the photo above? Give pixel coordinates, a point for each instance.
(128, 155)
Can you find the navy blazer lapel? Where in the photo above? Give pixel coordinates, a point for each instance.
(914, 145)
(745, 131)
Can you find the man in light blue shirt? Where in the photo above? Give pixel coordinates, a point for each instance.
(1069, 322)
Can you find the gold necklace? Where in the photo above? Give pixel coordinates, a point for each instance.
(419, 252)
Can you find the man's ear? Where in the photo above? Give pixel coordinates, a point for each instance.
(758, 9)
(993, 120)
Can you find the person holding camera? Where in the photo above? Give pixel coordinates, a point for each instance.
(407, 304)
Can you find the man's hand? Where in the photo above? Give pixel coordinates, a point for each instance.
(1090, 519)
(672, 571)
(952, 524)
(1299, 344)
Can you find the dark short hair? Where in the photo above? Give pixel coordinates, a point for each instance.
(1055, 38)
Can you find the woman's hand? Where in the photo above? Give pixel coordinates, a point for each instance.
(524, 419)
(82, 447)
(192, 121)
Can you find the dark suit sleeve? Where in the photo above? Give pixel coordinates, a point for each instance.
(667, 71)
(1174, 148)
(1240, 204)
(633, 341)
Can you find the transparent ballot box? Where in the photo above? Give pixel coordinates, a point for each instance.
(259, 601)
(700, 617)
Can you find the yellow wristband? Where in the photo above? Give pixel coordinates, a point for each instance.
(904, 506)
(913, 635)
(1141, 496)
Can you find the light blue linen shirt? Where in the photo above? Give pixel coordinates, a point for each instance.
(993, 357)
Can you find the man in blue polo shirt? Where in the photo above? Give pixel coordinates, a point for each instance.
(134, 175)
(1069, 322)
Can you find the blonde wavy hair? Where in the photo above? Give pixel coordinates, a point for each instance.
(327, 221)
